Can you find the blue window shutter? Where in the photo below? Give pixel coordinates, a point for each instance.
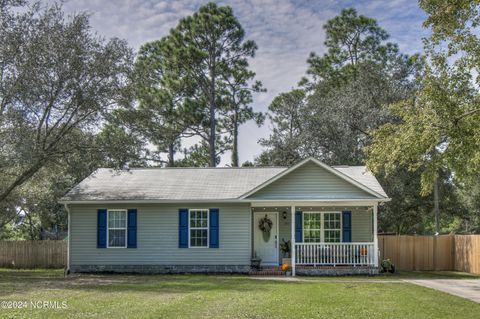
(183, 228)
(102, 228)
(132, 228)
(347, 226)
(298, 227)
(214, 228)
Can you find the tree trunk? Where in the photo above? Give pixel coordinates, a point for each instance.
(213, 107)
(436, 206)
(235, 141)
(171, 155)
(22, 178)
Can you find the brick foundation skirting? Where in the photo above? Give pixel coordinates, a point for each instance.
(161, 269)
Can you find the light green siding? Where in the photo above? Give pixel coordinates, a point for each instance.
(362, 226)
(157, 237)
(311, 181)
(284, 229)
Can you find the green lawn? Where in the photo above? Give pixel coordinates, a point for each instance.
(193, 296)
(401, 276)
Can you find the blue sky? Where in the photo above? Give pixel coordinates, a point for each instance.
(285, 31)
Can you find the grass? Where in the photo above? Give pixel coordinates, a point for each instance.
(403, 275)
(198, 296)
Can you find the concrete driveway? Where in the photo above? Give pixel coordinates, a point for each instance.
(465, 288)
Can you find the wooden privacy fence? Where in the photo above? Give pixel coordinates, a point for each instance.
(33, 254)
(444, 252)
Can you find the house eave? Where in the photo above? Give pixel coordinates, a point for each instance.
(226, 201)
(148, 201)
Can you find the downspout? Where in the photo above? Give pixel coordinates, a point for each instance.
(67, 270)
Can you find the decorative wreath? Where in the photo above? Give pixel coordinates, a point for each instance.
(265, 224)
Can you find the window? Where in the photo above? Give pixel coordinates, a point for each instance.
(312, 226)
(198, 232)
(117, 228)
(322, 227)
(332, 227)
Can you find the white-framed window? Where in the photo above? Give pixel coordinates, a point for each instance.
(332, 227)
(198, 223)
(322, 227)
(117, 228)
(312, 227)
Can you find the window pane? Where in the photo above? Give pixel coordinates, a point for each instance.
(122, 219)
(312, 226)
(332, 236)
(111, 219)
(116, 238)
(117, 219)
(312, 236)
(198, 238)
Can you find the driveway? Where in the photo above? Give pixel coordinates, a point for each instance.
(465, 288)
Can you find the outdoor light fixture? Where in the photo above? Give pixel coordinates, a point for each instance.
(284, 215)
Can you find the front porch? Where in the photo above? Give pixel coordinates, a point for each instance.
(330, 238)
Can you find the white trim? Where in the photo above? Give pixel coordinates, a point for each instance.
(208, 227)
(375, 234)
(126, 227)
(303, 203)
(151, 201)
(319, 163)
(322, 226)
(196, 201)
(68, 236)
(292, 239)
(277, 244)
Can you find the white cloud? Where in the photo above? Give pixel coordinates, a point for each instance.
(285, 32)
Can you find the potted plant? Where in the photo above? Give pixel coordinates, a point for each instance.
(285, 248)
(255, 261)
(287, 269)
(387, 266)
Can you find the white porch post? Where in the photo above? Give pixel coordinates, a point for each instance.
(375, 236)
(293, 239)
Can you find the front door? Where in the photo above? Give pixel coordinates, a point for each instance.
(265, 237)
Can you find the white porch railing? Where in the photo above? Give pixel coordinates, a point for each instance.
(332, 254)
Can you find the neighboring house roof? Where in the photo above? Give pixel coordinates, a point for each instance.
(190, 184)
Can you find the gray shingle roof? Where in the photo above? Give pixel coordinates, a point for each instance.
(170, 183)
(362, 175)
(188, 183)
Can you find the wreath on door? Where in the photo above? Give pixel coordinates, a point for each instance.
(265, 224)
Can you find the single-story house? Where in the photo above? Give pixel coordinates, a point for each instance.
(172, 220)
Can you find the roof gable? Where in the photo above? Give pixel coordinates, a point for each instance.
(312, 179)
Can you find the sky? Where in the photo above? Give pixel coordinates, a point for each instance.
(286, 31)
